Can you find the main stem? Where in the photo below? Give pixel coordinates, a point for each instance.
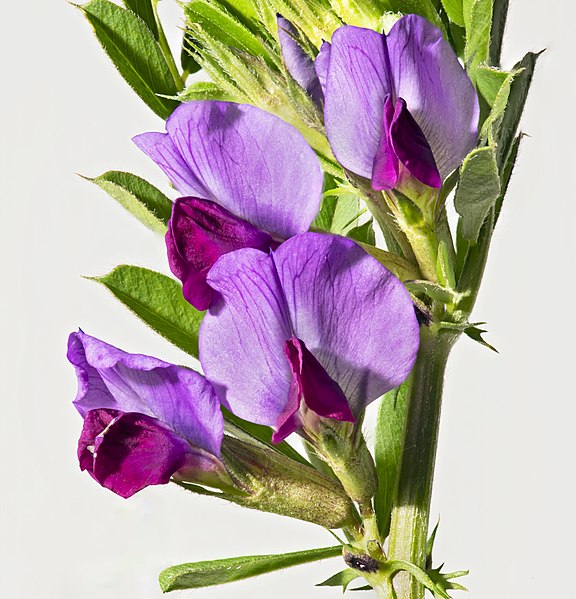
(411, 511)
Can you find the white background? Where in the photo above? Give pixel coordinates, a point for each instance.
(505, 470)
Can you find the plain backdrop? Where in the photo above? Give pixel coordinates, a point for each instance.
(504, 485)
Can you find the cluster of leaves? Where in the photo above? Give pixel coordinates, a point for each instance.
(236, 44)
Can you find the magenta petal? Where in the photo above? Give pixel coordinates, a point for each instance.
(437, 90)
(411, 147)
(297, 61)
(133, 451)
(321, 393)
(199, 232)
(180, 398)
(385, 170)
(356, 89)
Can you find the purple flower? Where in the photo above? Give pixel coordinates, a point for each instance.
(317, 319)
(297, 61)
(397, 105)
(144, 420)
(252, 179)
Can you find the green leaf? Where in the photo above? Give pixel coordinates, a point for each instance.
(158, 301)
(242, 428)
(224, 26)
(477, 191)
(492, 125)
(363, 233)
(478, 21)
(135, 53)
(388, 451)
(399, 266)
(205, 90)
(341, 579)
(455, 11)
(187, 58)
(516, 102)
(500, 14)
(489, 81)
(148, 204)
(143, 8)
(476, 335)
(506, 175)
(211, 573)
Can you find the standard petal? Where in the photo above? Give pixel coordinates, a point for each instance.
(242, 338)
(199, 232)
(355, 317)
(297, 61)
(164, 153)
(254, 164)
(437, 90)
(412, 148)
(356, 88)
(131, 452)
(180, 398)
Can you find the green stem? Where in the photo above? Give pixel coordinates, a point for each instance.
(165, 47)
(411, 510)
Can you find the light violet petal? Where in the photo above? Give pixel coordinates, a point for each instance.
(412, 148)
(254, 164)
(356, 88)
(180, 398)
(322, 63)
(242, 337)
(160, 148)
(297, 61)
(199, 232)
(355, 317)
(437, 90)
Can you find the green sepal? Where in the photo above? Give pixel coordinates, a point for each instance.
(205, 90)
(492, 125)
(445, 267)
(144, 9)
(389, 437)
(489, 80)
(424, 8)
(187, 56)
(144, 201)
(158, 301)
(221, 24)
(341, 208)
(398, 266)
(211, 573)
(432, 290)
(135, 52)
(360, 13)
(243, 429)
(478, 190)
(341, 579)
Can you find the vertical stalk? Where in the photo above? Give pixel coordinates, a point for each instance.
(411, 510)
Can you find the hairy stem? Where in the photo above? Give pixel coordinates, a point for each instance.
(411, 510)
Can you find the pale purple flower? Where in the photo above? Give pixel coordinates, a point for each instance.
(317, 319)
(297, 61)
(397, 105)
(251, 178)
(144, 420)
